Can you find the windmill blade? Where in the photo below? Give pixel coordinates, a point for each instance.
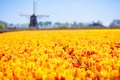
(25, 15)
(42, 16)
(34, 7)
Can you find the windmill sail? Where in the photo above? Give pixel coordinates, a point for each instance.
(33, 7)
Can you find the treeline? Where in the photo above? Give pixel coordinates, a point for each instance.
(98, 24)
(58, 25)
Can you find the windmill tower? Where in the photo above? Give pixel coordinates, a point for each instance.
(33, 18)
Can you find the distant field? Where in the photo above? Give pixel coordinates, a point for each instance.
(60, 55)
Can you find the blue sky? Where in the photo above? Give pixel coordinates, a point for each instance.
(61, 10)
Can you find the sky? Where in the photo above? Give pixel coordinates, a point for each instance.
(61, 10)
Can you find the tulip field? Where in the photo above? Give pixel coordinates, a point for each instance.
(92, 54)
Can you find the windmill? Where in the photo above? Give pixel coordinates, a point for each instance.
(33, 18)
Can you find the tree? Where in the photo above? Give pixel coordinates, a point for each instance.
(48, 23)
(2, 25)
(74, 25)
(41, 24)
(57, 24)
(81, 24)
(96, 24)
(63, 27)
(115, 23)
